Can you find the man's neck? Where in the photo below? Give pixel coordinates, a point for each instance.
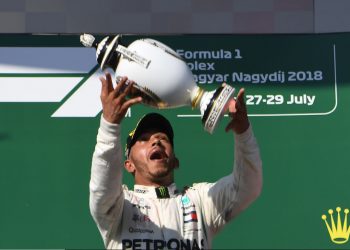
(154, 184)
(154, 181)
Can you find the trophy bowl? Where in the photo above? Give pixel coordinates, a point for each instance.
(161, 77)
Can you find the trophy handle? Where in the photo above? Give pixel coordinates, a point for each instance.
(133, 56)
(148, 97)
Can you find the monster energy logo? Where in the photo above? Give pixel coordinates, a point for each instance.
(162, 192)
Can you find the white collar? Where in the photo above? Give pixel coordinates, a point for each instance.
(157, 192)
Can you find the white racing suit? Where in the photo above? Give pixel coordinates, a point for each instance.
(167, 218)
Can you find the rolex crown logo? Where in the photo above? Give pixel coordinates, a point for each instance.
(338, 232)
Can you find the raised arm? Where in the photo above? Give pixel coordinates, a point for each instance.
(247, 171)
(226, 198)
(106, 195)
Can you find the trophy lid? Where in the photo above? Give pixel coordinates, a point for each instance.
(106, 54)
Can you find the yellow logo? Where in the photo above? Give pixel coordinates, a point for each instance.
(131, 134)
(339, 233)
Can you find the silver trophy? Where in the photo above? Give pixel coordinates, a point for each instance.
(162, 77)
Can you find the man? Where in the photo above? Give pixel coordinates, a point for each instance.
(157, 215)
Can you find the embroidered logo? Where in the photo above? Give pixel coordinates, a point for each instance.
(162, 192)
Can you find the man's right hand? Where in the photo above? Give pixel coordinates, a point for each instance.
(113, 100)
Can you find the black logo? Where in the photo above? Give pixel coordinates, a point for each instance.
(162, 192)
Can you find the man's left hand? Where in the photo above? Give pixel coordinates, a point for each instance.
(238, 112)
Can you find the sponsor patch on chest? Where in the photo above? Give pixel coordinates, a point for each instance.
(190, 218)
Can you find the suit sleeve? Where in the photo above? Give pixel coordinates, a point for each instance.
(225, 199)
(106, 193)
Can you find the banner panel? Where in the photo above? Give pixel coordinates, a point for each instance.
(297, 94)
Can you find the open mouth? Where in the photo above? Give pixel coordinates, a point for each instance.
(157, 155)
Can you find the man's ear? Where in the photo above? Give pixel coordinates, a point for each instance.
(129, 166)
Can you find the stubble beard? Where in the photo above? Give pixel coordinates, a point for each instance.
(163, 171)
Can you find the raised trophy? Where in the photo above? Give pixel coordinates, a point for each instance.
(162, 77)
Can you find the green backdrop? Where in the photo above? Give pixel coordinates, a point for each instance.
(45, 161)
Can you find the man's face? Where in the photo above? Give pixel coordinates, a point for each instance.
(152, 159)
